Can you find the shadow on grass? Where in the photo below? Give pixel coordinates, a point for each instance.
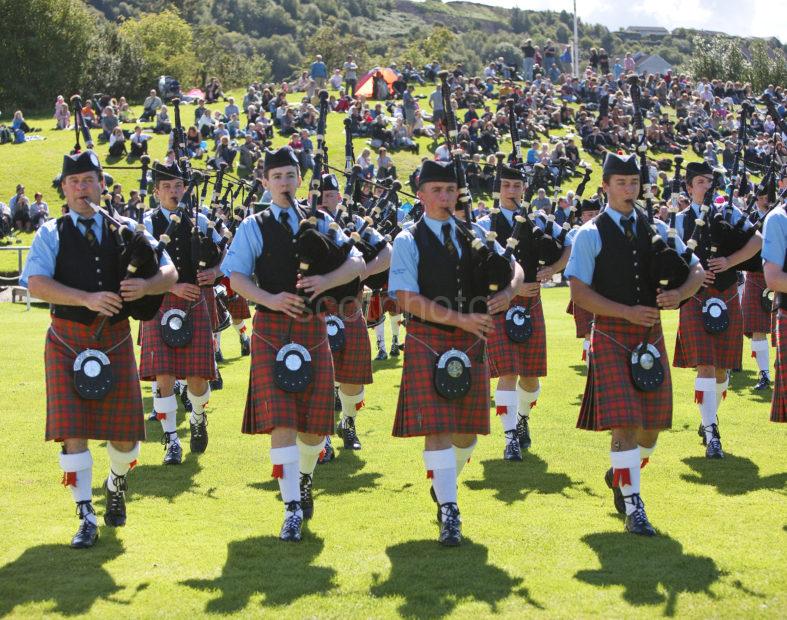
(73, 580)
(166, 481)
(513, 482)
(733, 475)
(652, 571)
(280, 572)
(434, 580)
(742, 382)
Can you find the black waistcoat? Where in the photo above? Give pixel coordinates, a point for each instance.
(445, 280)
(622, 271)
(179, 249)
(276, 268)
(79, 266)
(525, 252)
(704, 248)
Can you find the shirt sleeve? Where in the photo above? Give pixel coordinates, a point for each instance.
(323, 225)
(585, 249)
(246, 246)
(43, 254)
(680, 246)
(403, 274)
(737, 214)
(774, 246)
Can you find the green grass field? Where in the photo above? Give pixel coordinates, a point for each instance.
(542, 538)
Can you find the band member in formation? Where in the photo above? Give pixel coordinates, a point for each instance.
(756, 317)
(774, 256)
(703, 341)
(193, 361)
(431, 272)
(238, 307)
(290, 392)
(583, 320)
(519, 364)
(610, 273)
(92, 384)
(352, 363)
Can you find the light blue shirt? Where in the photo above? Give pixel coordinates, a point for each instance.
(694, 212)
(774, 245)
(46, 244)
(540, 221)
(587, 246)
(370, 235)
(246, 246)
(202, 222)
(404, 259)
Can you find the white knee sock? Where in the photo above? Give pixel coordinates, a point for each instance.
(527, 400)
(586, 351)
(761, 352)
(721, 393)
(217, 340)
(506, 404)
(240, 327)
(308, 455)
(626, 474)
(463, 456)
(120, 462)
(351, 405)
(441, 468)
(285, 463)
(380, 332)
(705, 397)
(78, 477)
(645, 454)
(396, 321)
(166, 411)
(198, 405)
(154, 388)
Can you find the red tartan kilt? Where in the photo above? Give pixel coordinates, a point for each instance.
(193, 360)
(353, 364)
(267, 406)
(379, 304)
(696, 347)
(213, 312)
(421, 410)
(583, 320)
(237, 306)
(118, 416)
(779, 403)
(755, 319)
(610, 399)
(526, 359)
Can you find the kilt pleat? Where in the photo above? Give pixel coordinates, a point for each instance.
(193, 360)
(267, 406)
(779, 403)
(696, 347)
(755, 319)
(420, 409)
(526, 359)
(610, 399)
(353, 364)
(237, 306)
(118, 416)
(583, 320)
(213, 312)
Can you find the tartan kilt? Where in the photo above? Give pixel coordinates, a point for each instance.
(583, 320)
(353, 364)
(118, 416)
(267, 406)
(421, 410)
(610, 399)
(237, 306)
(755, 319)
(779, 403)
(696, 347)
(526, 359)
(213, 312)
(193, 360)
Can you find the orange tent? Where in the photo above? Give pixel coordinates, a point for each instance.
(366, 83)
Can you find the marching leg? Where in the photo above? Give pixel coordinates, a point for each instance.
(78, 476)
(506, 404)
(308, 455)
(441, 468)
(198, 422)
(116, 485)
(285, 463)
(527, 400)
(705, 397)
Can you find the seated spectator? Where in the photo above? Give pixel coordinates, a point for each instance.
(365, 161)
(249, 153)
(125, 113)
(194, 143)
(149, 107)
(19, 123)
(231, 108)
(542, 201)
(39, 211)
(336, 79)
(117, 143)
(138, 142)
(226, 151)
(401, 137)
(108, 122)
(213, 90)
(63, 116)
(206, 125)
(385, 165)
(421, 129)
(163, 124)
(21, 214)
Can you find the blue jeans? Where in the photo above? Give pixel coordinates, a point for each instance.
(527, 68)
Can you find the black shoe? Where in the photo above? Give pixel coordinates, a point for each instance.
(701, 433)
(184, 398)
(637, 522)
(87, 534)
(337, 402)
(450, 526)
(218, 382)
(394, 348)
(381, 355)
(764, 383)
(173, 453)
(219, 356)
(346, 429)
(523, 432)
(115, 516)
(328, 453)
(307, 501)
(199, 435)
(245, 345)
(617, 494)
(512, 450)
(291, 528)
(713, 447)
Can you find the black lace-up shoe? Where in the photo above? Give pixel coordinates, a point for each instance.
(450, 526)
(512, 450)
(115, 516)
(293, 522)
(617, 494)
(199, 435)
(173, 453)
(87, 534)
(307, 501)
(637, 522)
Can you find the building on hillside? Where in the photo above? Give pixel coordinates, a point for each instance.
(653, 64)
(635, 32)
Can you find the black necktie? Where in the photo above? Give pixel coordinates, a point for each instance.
(89, 234)
(628, 228)
(284, 220)
(448, 242)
